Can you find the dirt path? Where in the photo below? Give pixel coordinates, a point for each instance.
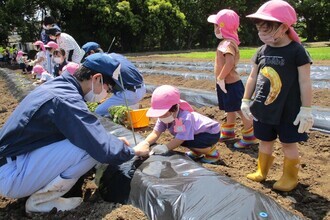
(311, 199)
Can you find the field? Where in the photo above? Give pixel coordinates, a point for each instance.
(310, 200)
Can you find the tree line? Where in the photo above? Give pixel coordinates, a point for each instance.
(150, 25)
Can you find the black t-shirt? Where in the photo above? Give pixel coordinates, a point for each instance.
(277, 94)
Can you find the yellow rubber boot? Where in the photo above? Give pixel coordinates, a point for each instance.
(289, 179)
(265, 161)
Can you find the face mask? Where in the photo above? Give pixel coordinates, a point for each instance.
(170, 118)
(270, 38)
(217, 33)
(167, 120)
(58, 60)
(92, 97)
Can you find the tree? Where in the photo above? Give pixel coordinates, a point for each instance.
(314, 19)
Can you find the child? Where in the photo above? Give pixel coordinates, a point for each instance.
(229, 86)
(59, 58)
(280, 80)
(42, 73)
(50, 47)
(21, 61)
(190, 129)
(41, 58)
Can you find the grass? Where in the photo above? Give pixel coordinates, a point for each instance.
(317, 53)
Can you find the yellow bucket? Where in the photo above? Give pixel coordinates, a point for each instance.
(139, 118)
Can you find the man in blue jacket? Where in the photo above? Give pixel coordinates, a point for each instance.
(133, 89)
(52, 139)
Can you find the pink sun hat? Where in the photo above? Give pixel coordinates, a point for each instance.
(71, 67)
(163, 98)
(52, 44)
(228, 22)
(40, 43)
(38, 69)
(279, 11)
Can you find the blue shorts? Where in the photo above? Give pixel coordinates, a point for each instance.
(22, 66)
(287, 133)
(202, 140)
(232, 100)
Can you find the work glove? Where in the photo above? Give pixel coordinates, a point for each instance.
(245, 108)
(142, 149)
(304, 119)
(159, 149)
(222, 85)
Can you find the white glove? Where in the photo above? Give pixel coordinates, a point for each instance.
(304, 119)
(142, 149)
(222, 85)
(159, 149)
(245, 108)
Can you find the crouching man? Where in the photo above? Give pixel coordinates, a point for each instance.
(52, 139)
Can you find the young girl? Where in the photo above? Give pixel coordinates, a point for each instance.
(44, 75)
(229, 86)
(21, 61)
(51, 46)
(41, 58)
(59, 58)
(190, 129)
(280, 80)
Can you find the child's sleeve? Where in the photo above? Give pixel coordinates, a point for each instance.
(303, 57)
(227, 47)
(160, 126)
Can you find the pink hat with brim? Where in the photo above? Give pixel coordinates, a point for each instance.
(163, 98)
(228, 22)
(52, 44)
(278, 11)
(40, 43)
(38, 69)
(71, 67)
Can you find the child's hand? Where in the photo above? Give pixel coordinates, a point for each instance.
(159, 149)
(221, 83)
(304, 119)
(245, 108)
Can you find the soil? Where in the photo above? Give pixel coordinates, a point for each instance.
(310, 199)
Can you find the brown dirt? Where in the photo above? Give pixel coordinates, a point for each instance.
(310, 200)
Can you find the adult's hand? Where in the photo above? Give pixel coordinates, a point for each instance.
(142, 149)
(123, 139)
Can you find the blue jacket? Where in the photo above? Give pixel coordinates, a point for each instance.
(55, 111)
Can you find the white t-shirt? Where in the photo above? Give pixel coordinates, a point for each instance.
(45, 76)
(43, 55)
(67, 43)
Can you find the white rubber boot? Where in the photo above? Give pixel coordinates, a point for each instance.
(45, 199)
